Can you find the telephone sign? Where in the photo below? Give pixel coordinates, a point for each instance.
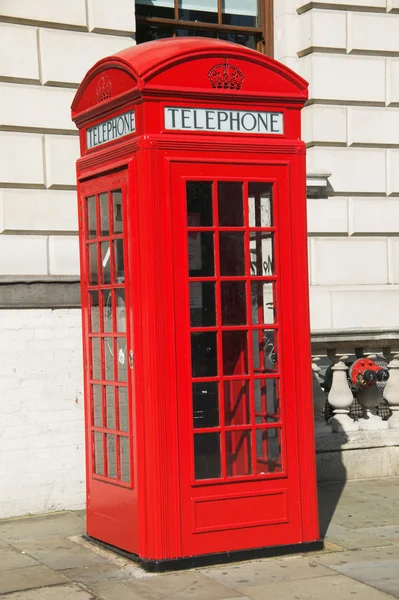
(193, 246)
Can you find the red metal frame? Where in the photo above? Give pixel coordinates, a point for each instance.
(164, 512)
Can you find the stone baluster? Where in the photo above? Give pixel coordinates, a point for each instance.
(369, 399)
(319, 400)
(391, 390)
(340, 396)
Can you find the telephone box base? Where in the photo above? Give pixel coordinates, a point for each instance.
(205, 560)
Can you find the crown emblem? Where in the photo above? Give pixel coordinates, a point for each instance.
(103, 89)
(226, 77)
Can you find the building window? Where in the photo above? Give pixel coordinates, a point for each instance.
(246, 22)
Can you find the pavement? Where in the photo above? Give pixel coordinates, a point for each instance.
(46, 558)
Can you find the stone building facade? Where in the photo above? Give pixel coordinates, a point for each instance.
(348, 51)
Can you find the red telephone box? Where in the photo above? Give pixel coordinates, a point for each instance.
(192, 218)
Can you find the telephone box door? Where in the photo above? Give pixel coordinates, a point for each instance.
(237, 411)
(108, 348)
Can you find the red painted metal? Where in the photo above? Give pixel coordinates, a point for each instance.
(251, 482)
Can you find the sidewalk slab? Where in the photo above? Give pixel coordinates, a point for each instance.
(28, 577)
(68, 592)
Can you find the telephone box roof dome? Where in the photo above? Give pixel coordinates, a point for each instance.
(174, 64)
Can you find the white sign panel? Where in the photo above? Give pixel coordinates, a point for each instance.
(113, 129)
(229, 121)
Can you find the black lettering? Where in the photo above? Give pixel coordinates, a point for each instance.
(114, 130)
(90, 134)
(127, 122)
(196, 126)
(109, 129)
(104, 128)
(262, 120)
(275, 118)
(220, 114)
(244, 117)
(120, 122)
(132, 121)
(208, 115)
(95, 133)
(173, 111)
(185, 114)
(236, 120)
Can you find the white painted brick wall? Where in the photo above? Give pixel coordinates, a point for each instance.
(41, 412)
(23, 255)
(373, 32)
(61, 153)
(64, 255)
(328, 216)
(18, 52)
(326, 124)
(121, 18)
(321, 29)
(72, 12)
(21, 159)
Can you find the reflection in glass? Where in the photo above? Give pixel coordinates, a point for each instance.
(231, 248)
(268, 450)
(94, 312)
(207, 455)
(233, 300)
(202, 304)
(238, 453)
(123, 409)
(259, 204)
(205, 404)
(122, 359)
(261, 253)
(117, 211)
(242, 14)
(109, 358)
(93, 264)
(204, 11)
(203, 354)
(111, 455)
(264, 348)
(249, 41)
(98, 453)
(235, 352)
(96, 358)
(97, 405)
(267, 401)
(200, 254)
(263, 305)
(199, 204)
(236, 402)
(107, 310)
(124, 455)
(110, 407)
(105, 263)
(230, 202)
(120, 311)
(104, 212)
(91, 217)
(119, 264)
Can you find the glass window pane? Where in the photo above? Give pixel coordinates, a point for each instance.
(119, 264)
(200, 254)
(97, 405)
(94, 312)
(117, 211)
(268, 450)
(230, 203)
(264, 348)
(202, 304)
(109, 358)
(203, 354)
(199, 204)
(249, 41)
(107, 310)
(233, 300)
(110, 406)
(261, 253)
(95, 358)
(120, 311)
(238, 7)
(147, 33)
(238, 453)
(231, 248)
(105, 263)
(124, 453)
(207, 455)
(91, 217)
(236, 402)
(93, 264)
(122, 362)
(204, 11)
(263, 304)
(205, 404)
(123, 409)
(98, 453)
(235, 352)
(104, 213)
(111, 455)
(267, 401)
(259, 205)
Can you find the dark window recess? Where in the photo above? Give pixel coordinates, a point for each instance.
(207, 455)
(205, 405)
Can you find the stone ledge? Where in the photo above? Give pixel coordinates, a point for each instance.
(356, 440)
